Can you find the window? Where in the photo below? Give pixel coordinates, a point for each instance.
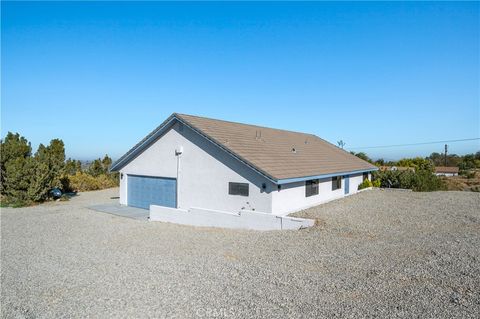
(365, 176)
(311, 187)
(238, 189)
(336, 182)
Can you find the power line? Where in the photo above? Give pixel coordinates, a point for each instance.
(422, 143)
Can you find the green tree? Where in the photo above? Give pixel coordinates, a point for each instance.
(468, 162)
(30, 178)
(56, 151)
(53, 156)
(72, 167)
(47, 170)
(106, 163)
(41, 181)
(439, 159)
(100, 166)
(362, 156)
(418, 163)
(96, 168)
(17, 178)
(78, 166)
(425, 181)
(420, 181)
(12, 147)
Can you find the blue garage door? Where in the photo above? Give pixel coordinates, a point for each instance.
(144, 191)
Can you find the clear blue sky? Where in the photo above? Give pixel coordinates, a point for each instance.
(101, 75)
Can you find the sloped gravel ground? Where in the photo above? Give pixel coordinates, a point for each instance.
(375, 254)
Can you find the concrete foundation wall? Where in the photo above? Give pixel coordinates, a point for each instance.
(203, 174)
(214, 218)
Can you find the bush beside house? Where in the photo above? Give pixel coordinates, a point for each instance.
(365, 184)
(421, 177)
(418, 180)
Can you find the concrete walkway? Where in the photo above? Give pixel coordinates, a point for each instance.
(123, 211)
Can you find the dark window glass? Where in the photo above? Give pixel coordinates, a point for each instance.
(365, 176)
(311, 187)
(238, 189)
(336, 182)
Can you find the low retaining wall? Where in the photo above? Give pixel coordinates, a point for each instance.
(214, 218)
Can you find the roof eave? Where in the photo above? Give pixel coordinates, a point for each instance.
(137, 149)
(306, 178)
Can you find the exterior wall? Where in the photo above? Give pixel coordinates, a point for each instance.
(123, 188)
(356, 180)
(203, 173)
(291, 197)
(446, 174)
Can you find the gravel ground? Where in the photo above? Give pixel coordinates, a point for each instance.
(374, 254)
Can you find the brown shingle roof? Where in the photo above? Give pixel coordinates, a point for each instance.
(277, 153)
(446, 169)
(396, 168)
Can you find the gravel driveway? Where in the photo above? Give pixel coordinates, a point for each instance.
(374, 254)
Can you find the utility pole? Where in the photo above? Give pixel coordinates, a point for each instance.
(446, 148)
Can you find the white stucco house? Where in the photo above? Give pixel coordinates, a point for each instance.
(447, 171)
(195, 162)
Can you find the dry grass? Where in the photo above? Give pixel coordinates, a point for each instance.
(462, 183)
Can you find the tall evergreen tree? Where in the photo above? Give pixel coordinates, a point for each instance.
(96, 168)
(106, 163)
(49, 164)
(72, 167)
(18, 175)
(12, 147)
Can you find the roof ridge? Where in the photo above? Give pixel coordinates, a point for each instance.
(259, 126)
(275, 162)
(329, 144)
(253, 125)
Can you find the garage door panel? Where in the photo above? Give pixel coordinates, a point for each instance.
(144, 191)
